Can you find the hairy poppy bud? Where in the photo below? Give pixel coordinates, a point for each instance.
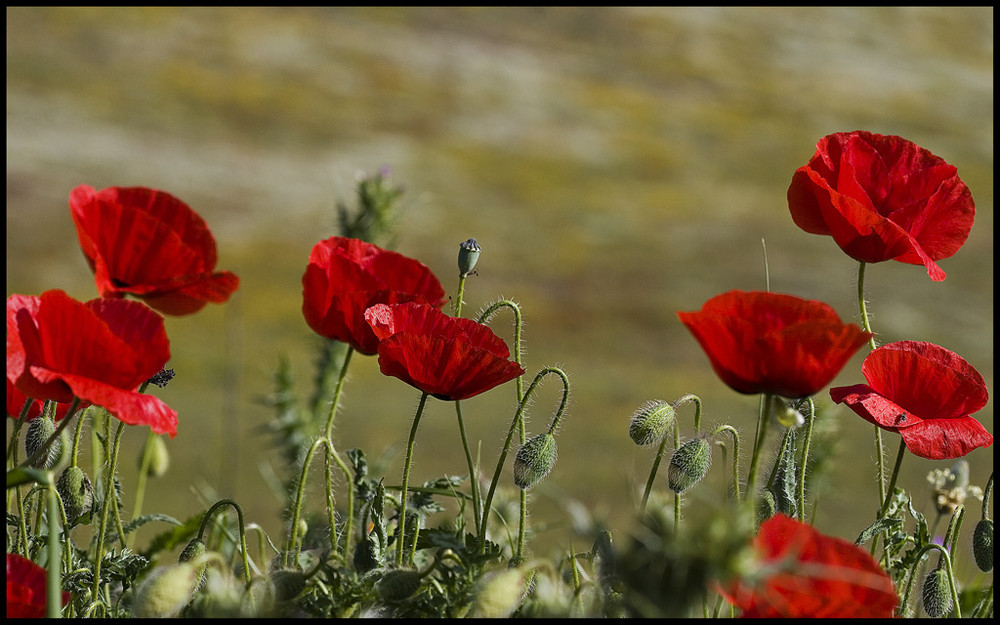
(39, 431)
(937, 593)
(499, 594)
(398, 584)
(195, 549)
(982, 545)
(76, 491)
(767, 506)
(689, 464)
(288, 584)
(534, 460)
(468, 256)
(789, 417)
(651, 422)
(159, 457)
(166, 591)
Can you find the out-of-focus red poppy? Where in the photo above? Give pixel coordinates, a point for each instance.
(763, 342)
(450, 358)
(26, 588)
(15, 404)
(882, 197)
(346, 276)
(924, 392)
(805, 574)
(98, 351)
(149, 244)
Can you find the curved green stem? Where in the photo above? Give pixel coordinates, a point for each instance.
(946, 559)
(686, 399)
(518, 416)
(473, 473)
(293, 534)
(403, 494)
(736, 456)
(243, 533)
(987, 492)
(656, 467)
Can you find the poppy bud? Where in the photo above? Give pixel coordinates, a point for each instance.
(159, 457)
(651, 422)
(937, 593)
(689, 464)
(288, 584)
(789, 417)
(195, 549)
(499, 594)
(982, 545)
(534, 460)
(468, 256)
(767, 506)
(39, 431)
(76, 491)
(166, 591)
(398, 584)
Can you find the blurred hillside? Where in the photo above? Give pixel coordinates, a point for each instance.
(616, 165)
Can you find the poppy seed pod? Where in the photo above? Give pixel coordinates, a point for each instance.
(468, 256)
(982, 545)
(76, 492)
(398, 584)
(534, 460)
(937, 593)
(39, 431)
(651, 422)
(689, 464)
(195, 549)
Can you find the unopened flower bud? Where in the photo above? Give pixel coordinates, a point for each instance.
(195, 549)
(689, 464)
(288, 584)
(534, 460)
(982, 545)
(398, 584)
(39, 431)
(937, 593)
(789, 417)
(166, 591)
(76, 492)
(767, 506)
(651, 422)
(468, 256)
(159, 457)
(499, 594)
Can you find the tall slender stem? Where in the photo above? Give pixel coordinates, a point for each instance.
(109, 493)
(762, 419)
(866, 324)
(404, 488)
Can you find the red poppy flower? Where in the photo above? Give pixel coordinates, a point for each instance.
(804, 574)
(26, 588)
(763, 342)
(346, 276)
(149, 244)
(450, 358)
(926, 394)
(883, 198)
(99, 351)
(15, 404)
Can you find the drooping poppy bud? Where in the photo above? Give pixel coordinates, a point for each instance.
(39, 431)
(398, 584)
(982, 545)
(651, 422)
(689, 464)
(76, 492)
(937, 593)
(534, 460)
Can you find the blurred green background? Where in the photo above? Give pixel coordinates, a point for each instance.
(616, 165)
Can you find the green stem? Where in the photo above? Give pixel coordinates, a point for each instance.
(518, 416)
(403, 495)
(872, 345)
(655, 468)
(987, 492)
(461, 293)
(243, 533)
(473, 473)
(109, 493)
(53, 583)
(892, 481)
(140, 488)
(736, 456)
(765, 414)
(328, 431)
(810, 419)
